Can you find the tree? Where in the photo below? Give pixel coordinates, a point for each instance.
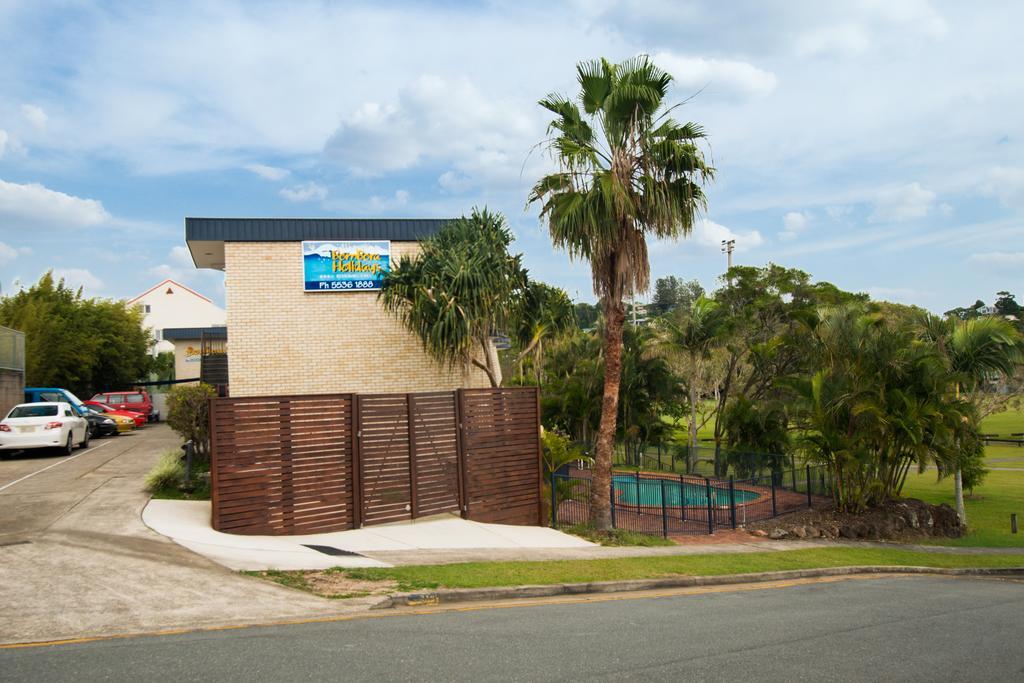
(876, 402)
(163, 366)
(671, 291)
(586, 315)
(975, 350)
(688, 337)
(768, 309)
(1006, 304)
(188, 413)
(757, 435)
(543, 312)
(647, 391)
(83, 345)
(462, 288)
(626, 170)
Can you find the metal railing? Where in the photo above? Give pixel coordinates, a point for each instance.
(670, 505)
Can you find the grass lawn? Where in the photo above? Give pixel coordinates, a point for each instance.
(988, 511)
(488, 574)
(1002, 492)
(1004, 423)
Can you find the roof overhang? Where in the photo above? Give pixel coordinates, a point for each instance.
(189, 333)
(205, 237)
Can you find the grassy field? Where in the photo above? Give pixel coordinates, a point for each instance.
(487, 574)
(988, 510)
(1002, 493)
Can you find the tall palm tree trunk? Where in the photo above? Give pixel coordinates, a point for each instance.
(600, 492)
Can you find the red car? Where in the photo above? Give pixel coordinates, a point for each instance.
(140, 419)
(135, 401)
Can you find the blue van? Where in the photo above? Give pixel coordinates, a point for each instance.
(53, 394)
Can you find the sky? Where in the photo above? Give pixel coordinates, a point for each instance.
(874, 144)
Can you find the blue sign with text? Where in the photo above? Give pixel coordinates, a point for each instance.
(345, 266)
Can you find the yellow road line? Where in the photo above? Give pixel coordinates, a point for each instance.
(508, 604)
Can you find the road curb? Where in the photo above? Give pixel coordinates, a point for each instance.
(457, 595)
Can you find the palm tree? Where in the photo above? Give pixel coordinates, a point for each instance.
(459, 291)
(627, 171)
(976, 350)
(687, 338)
(544, 312)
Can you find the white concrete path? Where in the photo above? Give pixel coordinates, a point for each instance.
(188, 524)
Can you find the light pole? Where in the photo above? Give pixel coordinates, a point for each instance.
(727, 247)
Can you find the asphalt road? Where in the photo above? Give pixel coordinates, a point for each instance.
(906, 629)
(77, 560)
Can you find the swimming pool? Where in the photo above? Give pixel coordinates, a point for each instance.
(628, 488)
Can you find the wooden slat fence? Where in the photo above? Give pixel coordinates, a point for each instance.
(501, 446)
(282, 464)
(307, 464)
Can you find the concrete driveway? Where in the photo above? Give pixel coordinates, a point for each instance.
(76, 558)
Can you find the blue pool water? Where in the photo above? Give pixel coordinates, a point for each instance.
(628, 490)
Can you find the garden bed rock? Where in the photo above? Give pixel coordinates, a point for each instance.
(903, 519)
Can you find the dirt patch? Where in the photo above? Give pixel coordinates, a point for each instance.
(904, 519)
(337, 585)
(720, 537)
(327, 583)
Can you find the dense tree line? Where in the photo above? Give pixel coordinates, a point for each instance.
(80, 344)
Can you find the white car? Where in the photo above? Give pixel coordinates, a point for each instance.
(43, 425)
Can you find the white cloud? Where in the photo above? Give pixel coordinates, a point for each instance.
(900, 295)
(33, 205)
(439, 120)
(999, 259)
(708, 233)
(841, 40)
(79, 277)
(305, 192)
(793, 223)
(452, 181)
(400, 198)
(268, 172)
(903, 203)
(838, 212)
(36, 117)
(1006, 184)
(3, 142)
(719, 75)
(7, 254)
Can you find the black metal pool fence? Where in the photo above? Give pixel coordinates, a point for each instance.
(664, 504)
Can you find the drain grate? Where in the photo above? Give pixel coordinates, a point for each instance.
(329, 550)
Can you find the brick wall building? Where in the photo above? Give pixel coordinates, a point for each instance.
(284, 340)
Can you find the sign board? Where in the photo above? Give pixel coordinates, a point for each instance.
(355, 266)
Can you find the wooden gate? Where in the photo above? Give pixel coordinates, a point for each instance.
(303, 464)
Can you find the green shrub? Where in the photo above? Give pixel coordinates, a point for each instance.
(167, 474)
(188, 413)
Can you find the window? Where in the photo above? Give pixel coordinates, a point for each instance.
(133, 398)
(146, 308)
(67, 413)
(115, 398)
(51, 396)
(34, 411)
